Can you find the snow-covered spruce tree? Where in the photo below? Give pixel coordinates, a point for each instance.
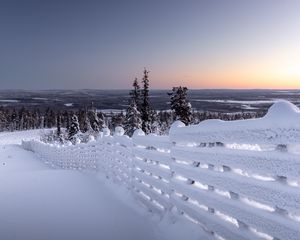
(81, 118)
(94, 121)
(59, 134)
(154, 124)
(180, 104)
(101, 119)
(14, 121)
(135, 94)
(165, 121)
(145, 105)
(65, 120)
(133, 119)
(74, 129)
(117, 120)
(87, 128)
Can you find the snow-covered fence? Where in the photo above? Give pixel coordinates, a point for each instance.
(76, 157)
(237, 180)
(116, 158)
(151, 172)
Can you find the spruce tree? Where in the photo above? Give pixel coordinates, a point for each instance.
(133, 119)
(81, 119)
(101, 120)
(117, 120)
(94, 121)
(58, 131)
(86, 123)
(180, 104)
(135, 94)
(74, 129)
(14, 120)
(145, 105)
(154, 124)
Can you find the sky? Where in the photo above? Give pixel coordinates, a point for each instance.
(65, 44)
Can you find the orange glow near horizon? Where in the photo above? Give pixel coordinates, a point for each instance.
(259, 74)
(280, 79)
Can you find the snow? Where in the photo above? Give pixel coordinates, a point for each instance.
(41, 203)
(39, 98)
(7, 138)
(281, 124)
(248, 107)
(244, 188)
(38, 202)
(262, 183)
(69, 104)
(284, 110)
(251, 102)
(108, 111)
(9, 100)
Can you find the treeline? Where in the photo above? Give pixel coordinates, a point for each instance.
(90, 122)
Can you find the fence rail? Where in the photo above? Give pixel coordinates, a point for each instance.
(237, 180)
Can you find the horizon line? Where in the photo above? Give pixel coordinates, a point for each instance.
(153, 89)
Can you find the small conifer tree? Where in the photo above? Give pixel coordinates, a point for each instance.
(145, 105)
(74, 129)
(180, 104)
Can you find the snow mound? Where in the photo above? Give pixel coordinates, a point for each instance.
(283, 110)
(119, 131)
(138, 132)
(280, 125)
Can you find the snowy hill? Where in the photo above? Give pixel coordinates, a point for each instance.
(234, 180)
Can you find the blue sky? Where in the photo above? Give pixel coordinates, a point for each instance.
(105, 44)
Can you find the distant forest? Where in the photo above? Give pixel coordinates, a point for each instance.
(24, 119)
(139, 114)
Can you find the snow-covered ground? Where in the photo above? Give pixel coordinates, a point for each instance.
(7, 138)
(41, 203)
(234, 180)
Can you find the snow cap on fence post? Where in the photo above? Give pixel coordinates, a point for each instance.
(138, 132)
(106, 132)
(119, 131)
(91, 138)
(99, 136)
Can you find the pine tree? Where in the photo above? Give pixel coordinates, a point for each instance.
(117, 120)
(133, 119)
(14, 120)
(135, 94)
(87, 128)
(81, 119)
(101, 121)
(154, 124)
(52, 119)
(65, 120)
(58, 131)
(165, 120)
(180, 104)
(145, 105)
(94, 121)
(74, 129)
